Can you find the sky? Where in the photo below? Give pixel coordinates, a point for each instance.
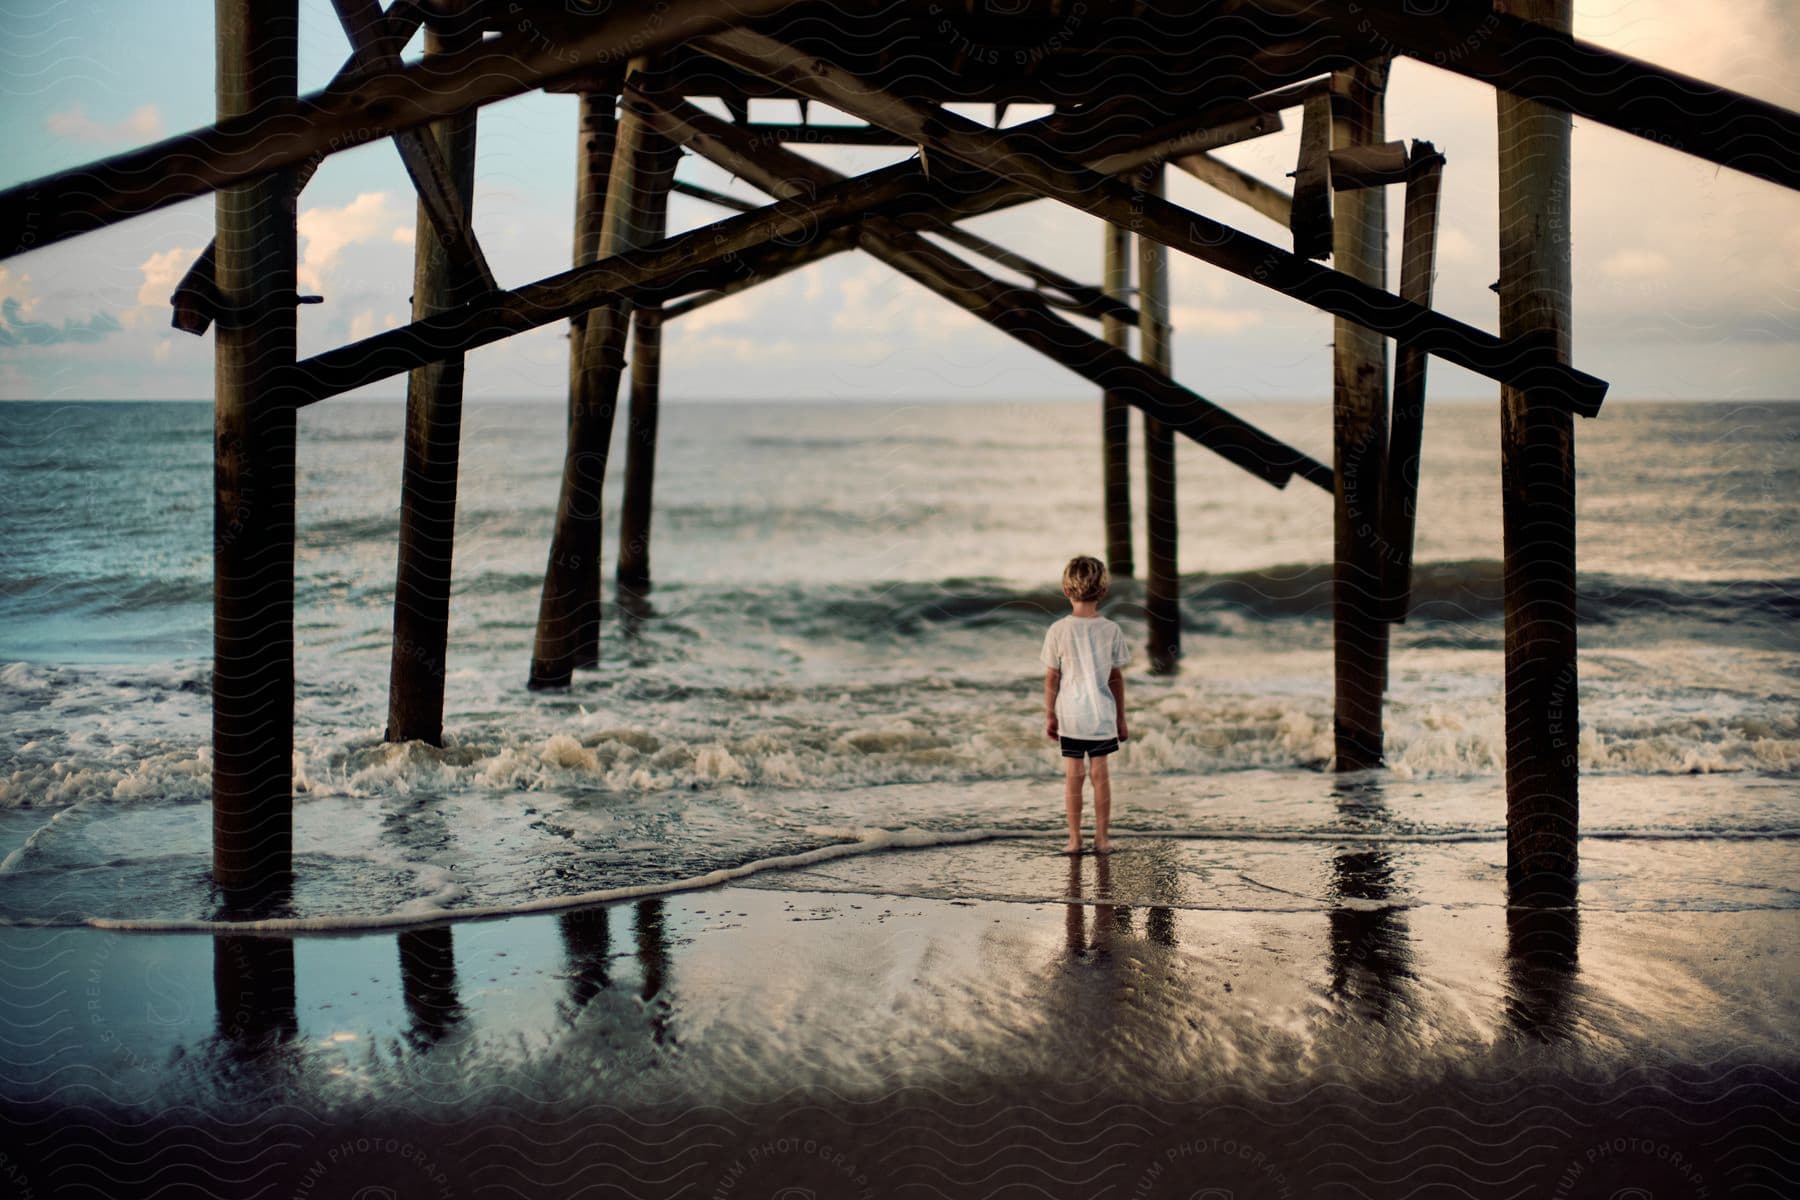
(1687, 275)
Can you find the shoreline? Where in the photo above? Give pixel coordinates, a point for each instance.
(1098, 1044)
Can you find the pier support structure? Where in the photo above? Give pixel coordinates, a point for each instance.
(254, 419)
(434, 399)
(1115, 409)
(633, 569)
(1359, 423)
(1162, 586)
(1537, 478)
(568, 630)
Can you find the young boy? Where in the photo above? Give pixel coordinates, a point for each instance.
(1084, 694)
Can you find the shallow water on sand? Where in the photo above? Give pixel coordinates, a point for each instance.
(839, 654)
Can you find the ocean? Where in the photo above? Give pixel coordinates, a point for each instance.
(839, 657)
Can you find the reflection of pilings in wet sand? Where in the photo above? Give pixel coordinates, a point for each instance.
(1369, 947)
(587, 941)
(253, 989)
(653, 961)
(428, 983)
(1542, 970)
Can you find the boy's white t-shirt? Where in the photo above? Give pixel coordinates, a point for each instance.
(1085, 650)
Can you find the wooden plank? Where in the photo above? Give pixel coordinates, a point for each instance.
(1537, 480)
(1400, 490)
(443, 278)
(253, 477)
(1359, 416)
(1374, 165)
(1241, 186)
(1309, 216)
(1026, 161)
(288, 130)
(635, 507)
(568, 630)
(432, 176)
(1162, 582)
(1016, 312)
(195, 300)
(1541, 62)
(729, 255)
(1115, 410)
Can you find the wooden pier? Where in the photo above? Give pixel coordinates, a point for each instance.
(1134, 89)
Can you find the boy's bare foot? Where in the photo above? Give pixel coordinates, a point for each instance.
(1102, 845)
(1074, 846)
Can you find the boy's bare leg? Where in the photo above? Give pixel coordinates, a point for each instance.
(1072, 777)
(1102, 803)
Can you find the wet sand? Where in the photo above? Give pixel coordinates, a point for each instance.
(1345, 1021)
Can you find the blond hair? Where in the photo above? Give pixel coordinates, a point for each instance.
(1085, 578)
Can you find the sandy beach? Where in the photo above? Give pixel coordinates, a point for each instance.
(1074, 1029)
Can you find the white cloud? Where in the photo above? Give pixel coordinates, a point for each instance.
(144, 124)
(18, 288)
(327, 232)
(405, 235)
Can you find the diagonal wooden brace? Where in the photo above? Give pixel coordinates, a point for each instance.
(1017, 312)
(1025, 161)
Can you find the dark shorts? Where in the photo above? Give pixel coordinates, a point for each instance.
(1079, 747)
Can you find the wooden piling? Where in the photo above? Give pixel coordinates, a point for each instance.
(434, 399)
(1115, 410)
(633, 570)
(1359, 407)
(253, 476)
(1537, 478)
(571, 581)
(1400, 489)
(1162, 586)
(568, 630)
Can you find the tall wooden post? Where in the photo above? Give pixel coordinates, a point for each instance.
(1115, 411)
(1537, 477)
(1162, 589)
(434, 397)
(253, 474)
(633, 571)
(1359, 408)
(568, 630)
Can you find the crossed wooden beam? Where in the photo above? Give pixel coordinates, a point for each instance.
(376, 39)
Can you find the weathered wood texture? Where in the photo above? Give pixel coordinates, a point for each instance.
(1309, 216)
(1400, 491)
(290, 129)
(444, 276)
(1115, 410)
(1241, 186)
(1017, 312)
(635, 508)
(1537, 476)
(568, 630)
(1359, 425)
(1536, 59)
(195, 298)
(1162, 578)
(1028, 162)
(253, 494)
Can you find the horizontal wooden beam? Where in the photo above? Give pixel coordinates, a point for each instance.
(1376, 164)
(738, 252)
(1027, 162)
(1474, 38)
(282, 133)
